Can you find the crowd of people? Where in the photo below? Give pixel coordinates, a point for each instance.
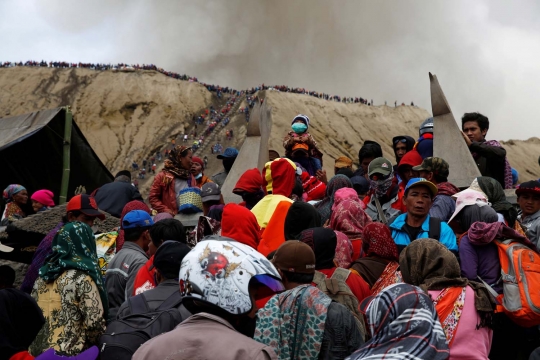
(219, 90)
(386, 261)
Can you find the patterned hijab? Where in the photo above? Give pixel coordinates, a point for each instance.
(350, 219)
(292, 323)
(404, 325)
(132, 205)
(377, 241)
(10, 191)
(173, 164)
(324, 207)
(74, 247)
(430, 265)
(344, 251)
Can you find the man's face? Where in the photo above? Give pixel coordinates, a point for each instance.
(400, 149)
(418, 201)
(529, 203)
(407, 173)
(365, 163)
(428, 175)
(473, 132)
(196, 168)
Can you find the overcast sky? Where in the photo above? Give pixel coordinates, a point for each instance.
(485, 53)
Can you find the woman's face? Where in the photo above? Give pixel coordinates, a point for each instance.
(185, 161)
(196, 168)
(21, 198)
(36, 205)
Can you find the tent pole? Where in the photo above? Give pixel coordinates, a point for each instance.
(67, 156)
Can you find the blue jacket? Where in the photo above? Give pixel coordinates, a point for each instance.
(402, 239)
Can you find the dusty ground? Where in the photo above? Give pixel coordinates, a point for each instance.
(127, 116)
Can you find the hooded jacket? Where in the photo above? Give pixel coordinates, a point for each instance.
(279, 178)
(409, 143)
(240, 224)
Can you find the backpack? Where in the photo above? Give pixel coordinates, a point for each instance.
(123, 337)
(337, 289)
(434, 228)
(520, 273)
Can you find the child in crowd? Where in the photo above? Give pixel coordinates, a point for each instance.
(299, 134)
(528, 199)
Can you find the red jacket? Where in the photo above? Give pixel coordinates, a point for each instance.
(162, 195)
(145, 279)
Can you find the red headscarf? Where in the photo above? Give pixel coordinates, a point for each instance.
(132, 205)
(377, 241)
(240, 224)
(344, 251)
(349, 218)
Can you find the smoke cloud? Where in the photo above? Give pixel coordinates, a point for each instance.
(484, 52)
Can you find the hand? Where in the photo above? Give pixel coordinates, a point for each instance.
(326, 224)
(321, 176)
(467, 140)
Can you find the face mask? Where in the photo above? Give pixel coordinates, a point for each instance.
(299, 128)
(198, 176)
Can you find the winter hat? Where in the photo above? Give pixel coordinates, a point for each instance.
(198, 160)
(302, 117)
(44, 197)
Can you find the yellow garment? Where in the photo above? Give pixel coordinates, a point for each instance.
(264, 209)
(73, 314)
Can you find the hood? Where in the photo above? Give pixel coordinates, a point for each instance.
(279, 177)
(409, 143)
(411, 158)
(250, 181)
(240, 224)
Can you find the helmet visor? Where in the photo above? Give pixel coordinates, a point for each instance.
(272, 283)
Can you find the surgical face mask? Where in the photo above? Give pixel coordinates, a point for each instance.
(299, 128)
(198, 176)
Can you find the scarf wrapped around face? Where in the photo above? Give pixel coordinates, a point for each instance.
(349, 218)
(404, 325)
(74, 247)
(292, 323)
(430, 265)
(173, 164)
(380, 187)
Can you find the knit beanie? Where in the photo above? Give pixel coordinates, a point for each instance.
(44, 197)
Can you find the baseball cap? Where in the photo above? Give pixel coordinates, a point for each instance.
(434, 164)
(468, 197)
(532, 186)
(342, 162)
(228, 153)
(169, 256)
(210, 191)
(295, 256)
(422, 182)
(381, 166)
(137, 218)
(85, 204)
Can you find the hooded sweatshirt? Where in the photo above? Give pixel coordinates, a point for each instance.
(409, 143)
(279, 178)
(240, 224)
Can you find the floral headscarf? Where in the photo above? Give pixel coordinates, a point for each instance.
(292, 323)
(74, 247)
(12, 190)
(350, 219)
(344, 250)
(377, 241)
(325, 205)
(173, 164)
(346, 194)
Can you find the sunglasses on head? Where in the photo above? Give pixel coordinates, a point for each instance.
(400, 141)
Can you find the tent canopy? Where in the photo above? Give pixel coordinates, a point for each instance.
(31, 154)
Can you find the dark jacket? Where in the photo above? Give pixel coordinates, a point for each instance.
(491, 160)
(480, 261)
(154, 298)
(341, 335)
(121, 273)
(112, 197)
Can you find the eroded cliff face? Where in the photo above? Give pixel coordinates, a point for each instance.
(127, 115)
(124, 115)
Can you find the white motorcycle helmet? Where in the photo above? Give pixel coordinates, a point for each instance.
(219, 270)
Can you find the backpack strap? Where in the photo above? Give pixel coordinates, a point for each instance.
(489, 288)
(434, 228)
(138, 305)
(341, 274)
(171, 302)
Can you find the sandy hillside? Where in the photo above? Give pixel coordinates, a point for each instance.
(127, 115)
